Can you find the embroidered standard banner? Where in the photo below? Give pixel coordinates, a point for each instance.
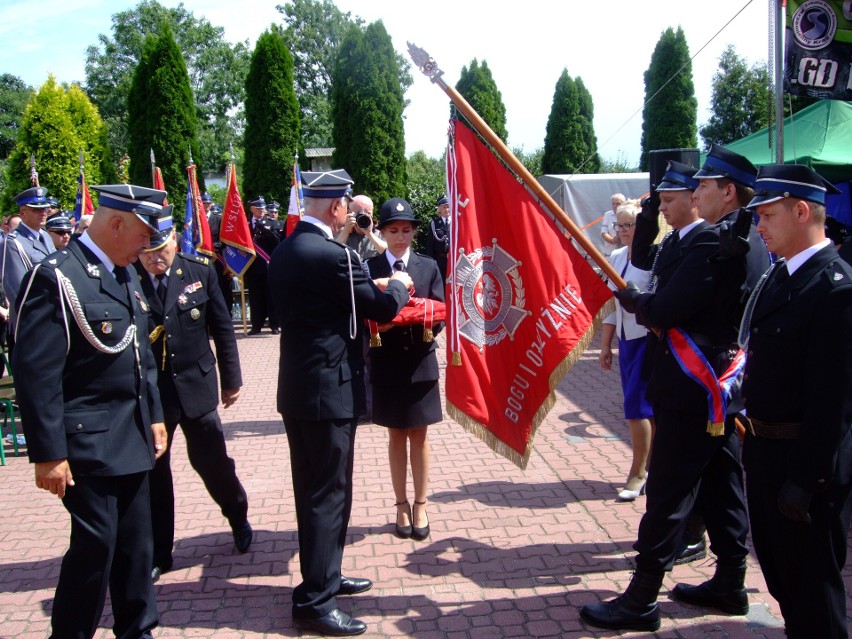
(196, 230)
(819, 49)
(235, 235)
(523, 303)
(296, 208)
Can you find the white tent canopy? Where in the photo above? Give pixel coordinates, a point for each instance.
(585, 198)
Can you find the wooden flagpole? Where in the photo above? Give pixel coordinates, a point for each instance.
(430, 69)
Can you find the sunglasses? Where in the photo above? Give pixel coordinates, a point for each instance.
(59, 232)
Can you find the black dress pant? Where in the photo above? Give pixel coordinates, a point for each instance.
(686, 458)
(110, 548)
(322, 459)
(802, 563)
(208, 455)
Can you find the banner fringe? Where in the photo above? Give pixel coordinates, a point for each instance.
(501, 448)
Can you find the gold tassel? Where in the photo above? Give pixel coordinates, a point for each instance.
(375, 340)
(716, 429)
(456, 358)
(428, 335)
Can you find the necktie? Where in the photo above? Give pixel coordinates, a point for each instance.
(161, 288)
(399, 265)
(675, 238)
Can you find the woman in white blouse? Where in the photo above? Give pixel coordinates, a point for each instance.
(631, 352)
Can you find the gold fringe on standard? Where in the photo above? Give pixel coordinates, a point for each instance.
(501, 448)
(716, 429)
(159, 331)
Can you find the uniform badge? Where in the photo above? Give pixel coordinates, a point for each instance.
(51, 261)
(106, 328)
(191, 288)
(179, 271)
(93, 270)
(195, 313)
(182, 299)
(838, 277)
(142, 303)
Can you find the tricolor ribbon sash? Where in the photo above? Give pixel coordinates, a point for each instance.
(693, 363)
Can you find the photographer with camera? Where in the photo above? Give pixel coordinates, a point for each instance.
(357, 233)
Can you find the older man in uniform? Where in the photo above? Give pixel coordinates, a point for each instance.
(695, 443)
(324, 296)
(264, 233)
(24, 247)
(798, 393)
(87, 388)
(187, 309)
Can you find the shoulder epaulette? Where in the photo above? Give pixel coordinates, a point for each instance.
(201, 259)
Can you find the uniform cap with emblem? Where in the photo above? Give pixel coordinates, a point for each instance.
(396, 210)
(678, 177)
(58, 222)
(258, 203)
(777, 181)
(35, 197)
(159, 239)
(273, 206)
(52, 202)
(206, 197)
(326, 184)
(145, 203)
(442, 201)
(724, 164)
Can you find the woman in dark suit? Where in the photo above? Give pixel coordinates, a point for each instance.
(404, 370)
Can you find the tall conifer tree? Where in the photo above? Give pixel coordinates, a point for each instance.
(669, 117)
(367, 105)
(477, 86)
(162, 117)
(272, 119)
(570, 144)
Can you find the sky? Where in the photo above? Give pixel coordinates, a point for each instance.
(526, 45)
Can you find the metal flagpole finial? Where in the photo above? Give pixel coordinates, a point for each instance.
(152, 157)
(425, 63)
(231, 149)
(190, 156)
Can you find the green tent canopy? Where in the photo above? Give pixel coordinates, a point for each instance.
(819, 136)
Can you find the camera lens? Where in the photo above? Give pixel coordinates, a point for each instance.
(363, 220)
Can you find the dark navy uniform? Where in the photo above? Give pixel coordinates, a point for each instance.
(798, 394)
(321, 391)
(438, 243)
(265, 233)
(94, 409)
(194, 312)
(224, 276)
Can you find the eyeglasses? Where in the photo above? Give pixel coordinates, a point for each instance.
(59, 232)
(626, 227)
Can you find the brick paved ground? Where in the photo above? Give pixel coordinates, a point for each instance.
(512, 553)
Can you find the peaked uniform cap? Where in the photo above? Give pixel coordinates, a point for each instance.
(145, 203)
(722, 163)
(273, 206)
(442, 201)
(258, 203)
(58, 223)
(35, 197)
(326, 184)
(396, 210)
(206, 197)
(159, 239)
(777, 181)
(678, 177)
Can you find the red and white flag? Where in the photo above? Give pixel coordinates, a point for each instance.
(522, 302)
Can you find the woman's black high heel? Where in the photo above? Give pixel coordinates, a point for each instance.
(419, 533)
(403, 532)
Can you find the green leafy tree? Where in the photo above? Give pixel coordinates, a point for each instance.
(570, 145)
(533, 161)
(315, 30)
(426, 181)
(216, 71)
(740, 100)
(619, 165)
(14, 95)
(670, 112)
(367, 106)
(57, 124)
(272, 119)
(477, 86)
(161, 115)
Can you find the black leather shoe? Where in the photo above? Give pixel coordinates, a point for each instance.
(419, 534)
(156, 573)
(254, 331)
(692, 552)
(276, 331)
(336, 624)
(243, 537)
(353, 585)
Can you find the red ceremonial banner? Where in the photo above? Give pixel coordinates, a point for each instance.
(523, 303)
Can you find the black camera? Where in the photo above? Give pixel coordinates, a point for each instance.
(363, 220)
